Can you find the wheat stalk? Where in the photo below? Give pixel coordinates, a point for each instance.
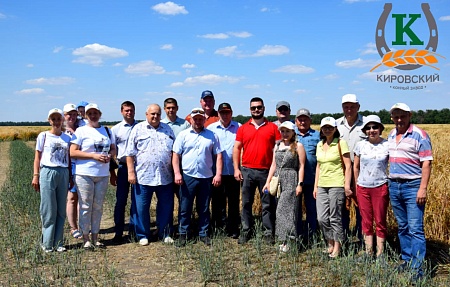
(393, 59)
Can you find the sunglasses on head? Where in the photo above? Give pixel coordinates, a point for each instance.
(254, 108)
(202, 112)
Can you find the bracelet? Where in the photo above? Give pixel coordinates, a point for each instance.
(36, 174)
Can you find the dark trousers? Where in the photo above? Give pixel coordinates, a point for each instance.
(311, 212)
(122, 190)
(229, 191)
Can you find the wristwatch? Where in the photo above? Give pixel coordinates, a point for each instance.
(300, 183)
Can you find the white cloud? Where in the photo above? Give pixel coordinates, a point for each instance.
(30, 91)
(271, 50)
(30, 66)
(188, 66)
(166, 47)
(200, 51)
(373, 76)
(331, 77)
(57, 49)
(219, 36)
(95, 54)
(2, 16)
(300, 91)
(369, 49)
(169, 8)
(294, 69)
(117, 64)
(357, 63)
(252, 87)
(51, 81)
(145, 68)
(226, 51)
(444, 18)
(242, 34)
(267, 9)
(210, 79)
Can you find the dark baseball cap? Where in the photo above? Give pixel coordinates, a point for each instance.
(207, 94)
(224, 107)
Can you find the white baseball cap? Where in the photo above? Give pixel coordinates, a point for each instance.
(54, 111)
(328, 121)
(69, 107)
(197, 112)
(287, 125)
(350, 98)
(400, 106)
(91, 106)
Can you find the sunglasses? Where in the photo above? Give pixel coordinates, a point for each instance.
(283, 109)
(327, 128)
(201, 112)
(374, 127)
(254, 108)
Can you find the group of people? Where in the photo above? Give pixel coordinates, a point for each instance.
(209, 158)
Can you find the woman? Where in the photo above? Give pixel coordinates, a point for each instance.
(332, 184)
(370, 165)
(50, 178)
(70, 125)
(288, 163)
(92, 148)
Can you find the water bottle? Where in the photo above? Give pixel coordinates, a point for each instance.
(266, 191)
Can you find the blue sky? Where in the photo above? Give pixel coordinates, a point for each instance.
(308, 53)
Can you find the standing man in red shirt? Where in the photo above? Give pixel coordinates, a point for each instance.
(256, 140)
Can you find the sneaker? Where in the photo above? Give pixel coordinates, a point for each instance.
(284, 248)
(118, 239)
(61, 249)
(143, 242)
(182, 241)
(168, 240)
(268, 239)
(88, 245)
(206, 240)
(100, 245)
(243, 238)
(47, 250)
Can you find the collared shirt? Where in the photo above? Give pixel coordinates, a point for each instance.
(309, 141)
(405, 156)
(214, 117)
(152, 152)
(197, 152)
(351, 134)
(331, 173)
(178, 125)
(227, 137)
(121, 132)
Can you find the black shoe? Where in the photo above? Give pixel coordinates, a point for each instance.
(118, 239)
(234, 235)
(268, 239)
(401, 267)
(243, 238)
(206, 240)
(417, 278)
(181, 242)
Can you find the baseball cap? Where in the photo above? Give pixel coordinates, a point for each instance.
(224, 106)
(207, 93)
(197, 111)
(372, 119)
(349, 98)
(69, 107)
(303, 112)
(82, 104)
(283, 103)
(54, 111)
(328, 121)
(400, 106)
(287, 125)
(92, 106)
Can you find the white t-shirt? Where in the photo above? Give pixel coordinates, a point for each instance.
(92, 140)
(54, 149)
(373, 162)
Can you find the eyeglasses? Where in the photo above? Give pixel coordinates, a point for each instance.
(327, 128)
(283, 109)
(202, 112)
(254, 108)
(374, 127)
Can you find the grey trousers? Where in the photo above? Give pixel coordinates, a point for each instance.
(329, 203)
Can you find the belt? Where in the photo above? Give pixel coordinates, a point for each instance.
(402, 180)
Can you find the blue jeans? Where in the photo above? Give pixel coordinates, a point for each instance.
(311, 212)
(200, 188)
(164, 210)
(409, 216)
(122, 190)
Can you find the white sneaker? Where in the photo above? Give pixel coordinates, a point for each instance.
(46, 250)
(168, 240)
(143, 242)
(61, 249)
(284, 248)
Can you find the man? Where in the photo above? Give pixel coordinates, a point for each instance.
(149, 161)
(207, 102)
(349, 127)
(309, 138)
(256, 140)
(410, 158)
(283, 111)
(121, 132)
(82, 113)
(226, 130)
(177, 124)
(195, 148)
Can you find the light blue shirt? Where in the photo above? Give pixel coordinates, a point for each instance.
(197, 152)
(178, 125)
(227, 137)
(152, 152)
(309, 141)
(121, 132)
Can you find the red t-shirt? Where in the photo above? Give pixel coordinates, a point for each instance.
(258, 144)
(214, 117)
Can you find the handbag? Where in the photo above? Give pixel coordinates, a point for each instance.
(352, 198)
(275, 185)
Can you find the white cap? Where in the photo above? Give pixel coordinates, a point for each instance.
(69, 107)
(287, 125)
(349, 98)
(91, 106)
(54, 111)
(328, 121)
(400, 106)
(197, 111)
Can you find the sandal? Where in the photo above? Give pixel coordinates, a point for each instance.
(76, 234)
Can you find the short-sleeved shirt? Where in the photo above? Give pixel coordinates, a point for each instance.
(331, 172)
(373, 163)
(121, 133)
(258, 143)
(152, 151)
(92, 140)
(405, 156)
(227, 137)
(54, 149)
(197, 152)
(309, 141)
(178, 125)
(351, 134)
(214, 117)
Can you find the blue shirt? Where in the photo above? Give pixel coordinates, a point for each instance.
(178, 125)
(197, 152)
(309, 142)
(121, 132)
(227, 137)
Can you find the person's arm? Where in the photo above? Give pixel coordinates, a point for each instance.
(237, 160)
(217, 180)
(176, 168)
(356, 167)
(131, 171)
(316, 180)
(301, 171)
(273, 168)
(36, 169)
(348, 174)
(422, 192)
(75, 152)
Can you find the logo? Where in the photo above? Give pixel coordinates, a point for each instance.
(407, 52)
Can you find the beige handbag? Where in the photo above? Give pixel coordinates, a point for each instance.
(274, 186)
